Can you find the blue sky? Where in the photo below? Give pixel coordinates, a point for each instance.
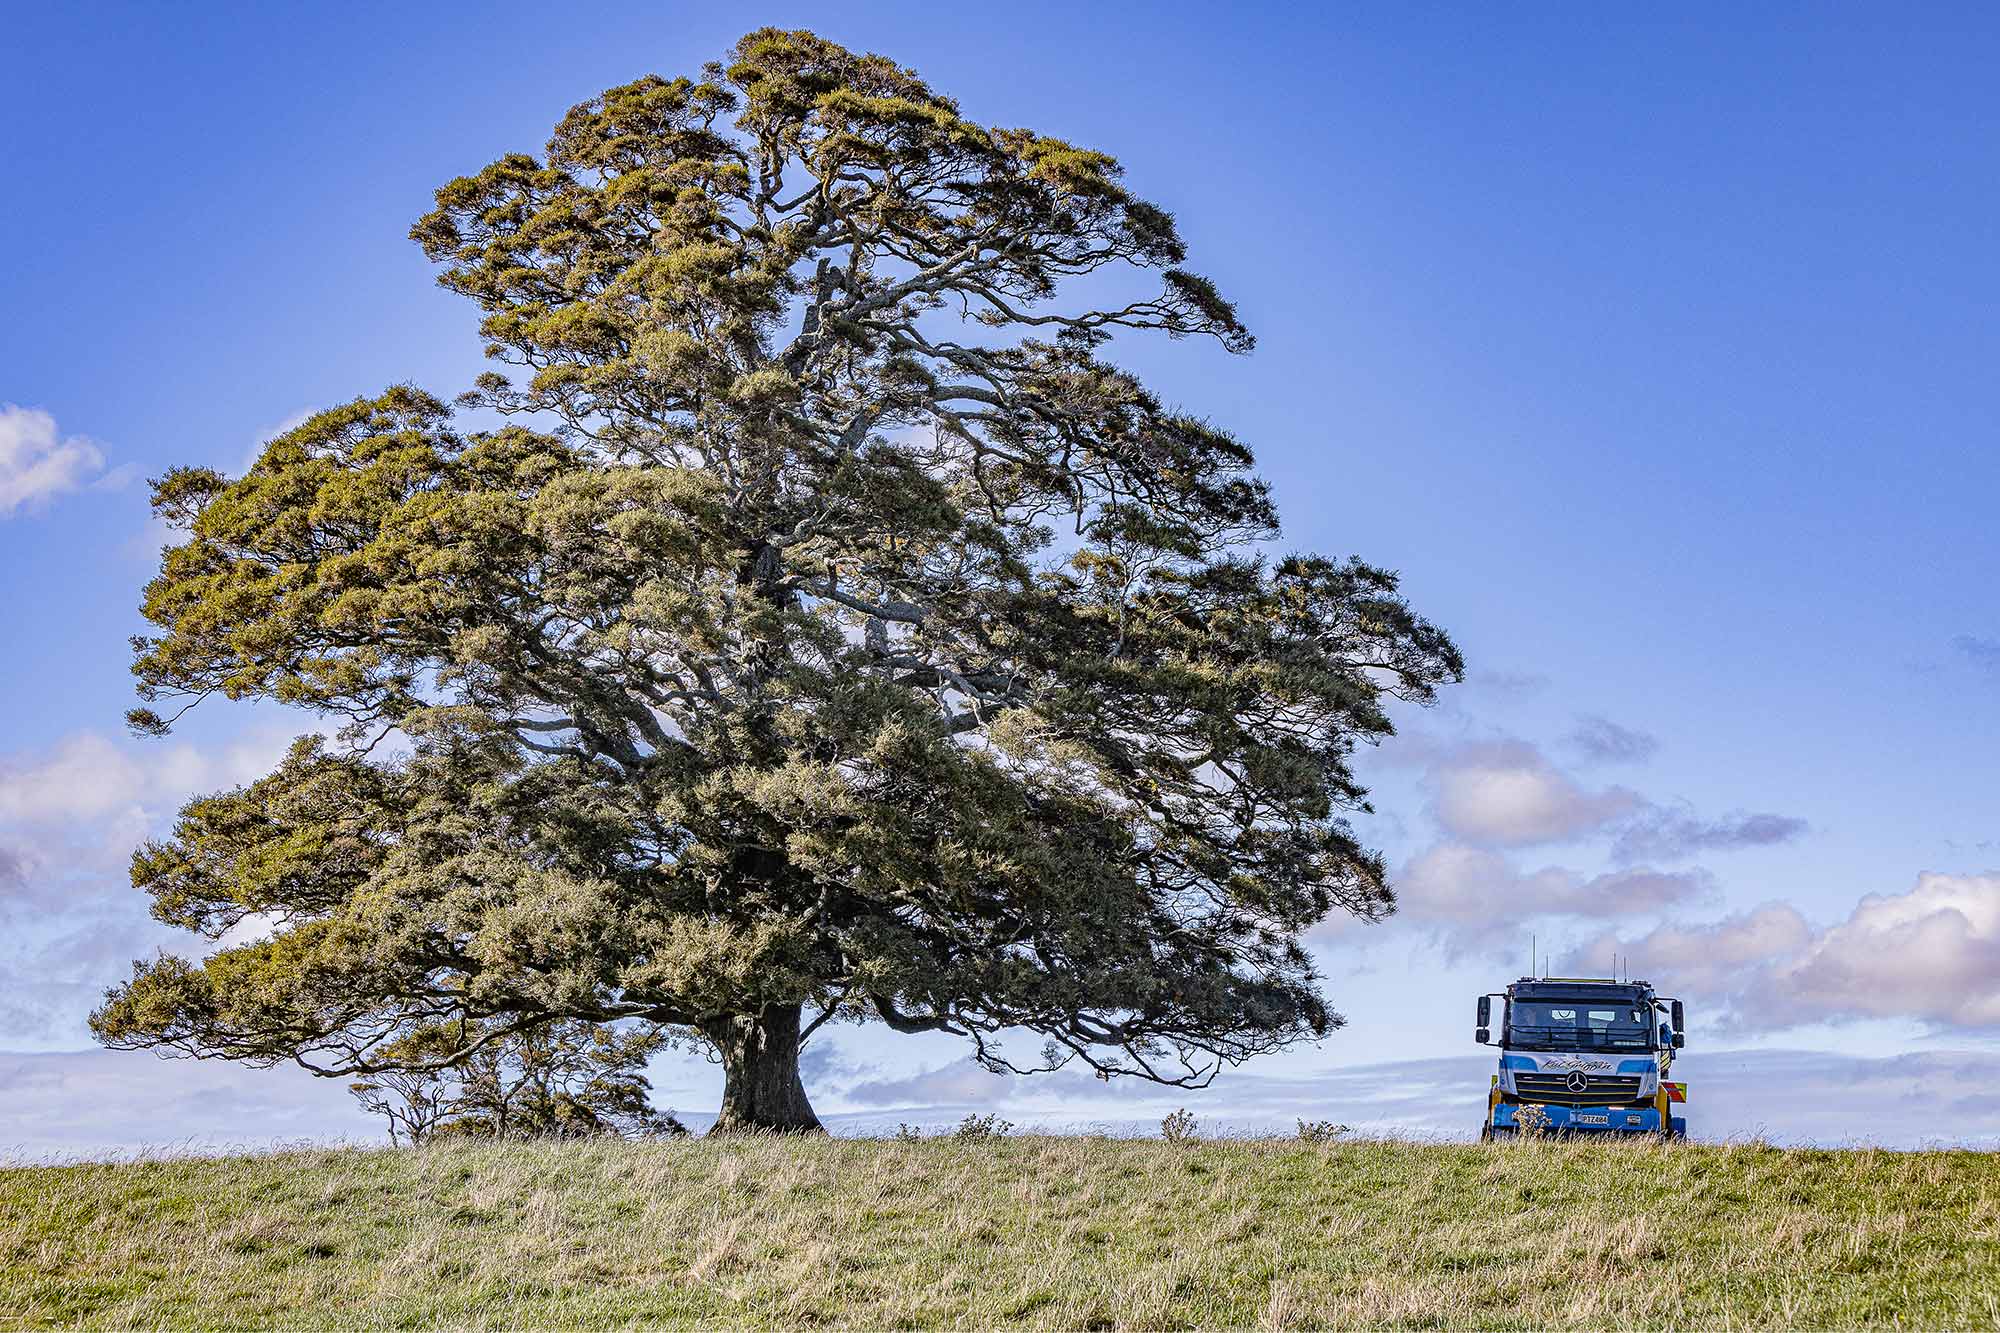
(1655, 350)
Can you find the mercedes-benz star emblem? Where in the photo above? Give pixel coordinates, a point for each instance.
(1578, 1080)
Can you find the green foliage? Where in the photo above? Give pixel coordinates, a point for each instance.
(1531, 1121)
(1055, 1233)
(740, 680)
(565, 1079)
(1322, 1131)
(979, 1128)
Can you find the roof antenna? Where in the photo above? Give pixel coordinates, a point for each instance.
(1531, 956)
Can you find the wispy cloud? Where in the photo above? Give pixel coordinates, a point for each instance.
(103, 1102)
(1786, 1096)
(1662, 834)
(1599, 740)
(1982, 653)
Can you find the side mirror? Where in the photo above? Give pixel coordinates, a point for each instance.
(1485, 1012)
(1680, 1040)
(1680, 1018)
(1484, 1036)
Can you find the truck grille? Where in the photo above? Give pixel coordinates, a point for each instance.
(1602, 1090)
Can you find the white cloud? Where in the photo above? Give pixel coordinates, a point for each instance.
(1508, 794)
(89, 777)
(1713, 960)
(38, 463)
(84, 777)
(1474, 902)
(1472, 885)
(1931, 955)
(70, 817)
(1490, 798)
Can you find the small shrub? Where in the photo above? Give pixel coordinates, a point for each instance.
(1179, 1127)
(907, 1133)
(977, 1128)
(1531, 1121)
(1322, 1131)
(666, 1125)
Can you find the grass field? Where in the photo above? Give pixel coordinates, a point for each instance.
(1052, 1232)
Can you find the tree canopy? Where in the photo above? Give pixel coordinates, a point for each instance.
(808, 621)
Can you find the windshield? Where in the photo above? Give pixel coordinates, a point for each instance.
(1580, 1025)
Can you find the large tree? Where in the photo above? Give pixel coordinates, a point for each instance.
(819, 626)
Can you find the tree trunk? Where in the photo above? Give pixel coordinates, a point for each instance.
(761, 1090)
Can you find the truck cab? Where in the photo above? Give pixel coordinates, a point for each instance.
(1583, 1055)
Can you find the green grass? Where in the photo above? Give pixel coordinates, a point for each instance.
(1049, 1232)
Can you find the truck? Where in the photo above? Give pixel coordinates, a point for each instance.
(1583, 1055)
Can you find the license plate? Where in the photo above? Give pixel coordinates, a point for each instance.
(1592, 1119)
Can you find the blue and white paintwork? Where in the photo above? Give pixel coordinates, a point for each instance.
(1647, 1067)
(1585, 1117)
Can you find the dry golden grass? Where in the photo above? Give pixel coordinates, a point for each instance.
(1045, 1232)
